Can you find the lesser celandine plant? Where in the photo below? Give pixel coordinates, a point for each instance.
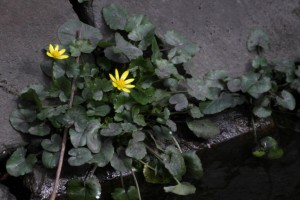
(116, 101)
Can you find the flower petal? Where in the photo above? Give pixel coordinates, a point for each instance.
(112, 78)
(49, 54)
(62, 51)
(56, 48)
(117, 74)
(129, 80)
(114, 84)
(62, 57)
(129, 86)
(51, 49)
(124, 75)
(126, 90)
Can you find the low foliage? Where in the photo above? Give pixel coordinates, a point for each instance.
(121, 125)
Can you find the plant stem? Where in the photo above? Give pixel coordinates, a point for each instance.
(137, 184)
(64, 141)
(154, 153)
(146, 165)
(177, 144)
(254, 129)
(123, 185)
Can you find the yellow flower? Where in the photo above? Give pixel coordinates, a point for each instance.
(56, 53)
(121, 83)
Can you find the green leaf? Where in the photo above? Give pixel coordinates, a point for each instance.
(196, 89)
(89, 189)
(286, 100)
(46, 67)
(258, 38)
(225, 101)
(259, 62)
(180, 101)
(259, 152)
(105, 155)
(112, 130)
(204, 128)
(159, 176)
(70, 31)
(275, 153)
(115, 16)
(52, 145)
(18, 165)
(183, 50)
(52, 112)
(20, 119)
(216, 78)
(115, 54)
(193, 164)
(139, 27)
(49, 159)
(195, 112)
(136, 150)
(131, 51)
(81, 46)
(156, 54)
(29, 98)
(234, 85)
(254, 85)
(77, 116)
(165, 69)
(269, 143)
(39, 130)
(79, 156)
(174, 162)
(120, 164)
(138, 136)
(162, 132)
(121, 194)
(183, 188)
(143, 96)
(262, 107)
(137, 117)
(100, 111)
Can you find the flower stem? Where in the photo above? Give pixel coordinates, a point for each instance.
(177, 144)
(64, 141)
(137, 184)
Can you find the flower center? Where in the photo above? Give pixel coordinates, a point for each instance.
(121, 83)
(55, 54)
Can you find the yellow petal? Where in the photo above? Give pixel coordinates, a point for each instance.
(126, 90)
(62, 57)
(51, 48)
(49, 54)
(117, 74)
(61, 52)
(129, 86)
(56, 47)
(114, 84)
(112, 78)
(129, 80)
(124, 75)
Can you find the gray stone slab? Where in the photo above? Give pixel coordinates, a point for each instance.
(221, 27)
(26, 28)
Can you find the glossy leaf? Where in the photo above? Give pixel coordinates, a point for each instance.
(89, 189)
(120, 164)
(193, 164)
(52, 145)
(20, 119)
(204, 128)
(79, 156)
(286, 100)
(115, 16)
(121, 194)
(183, 188)
(105, 155)
(131, 51)
(112, 130)
(49, 159)
(39, 130)
(180, 101)
(136, 150)
(18, 164)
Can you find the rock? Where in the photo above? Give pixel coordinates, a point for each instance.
(5, 194)
(27, 27)
(220, 28)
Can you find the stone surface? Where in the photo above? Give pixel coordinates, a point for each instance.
(27, 27)
(220, 27)
(5, 194)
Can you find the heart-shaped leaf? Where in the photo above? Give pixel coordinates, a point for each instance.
(180, 101)
(105, 155)
(79, 156)
(193, 164)
(204, 128)
(115, 16)
(286, 100)
(49, 159)
(121, 165)
(89, 189)
(136, 150)
(52, 145)
(112, 130)
(183, 188)
(258, 38)
(131, 51)
(18, 165)
(39, 130)
(20, 119)
(121, 194)
(165, 69)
